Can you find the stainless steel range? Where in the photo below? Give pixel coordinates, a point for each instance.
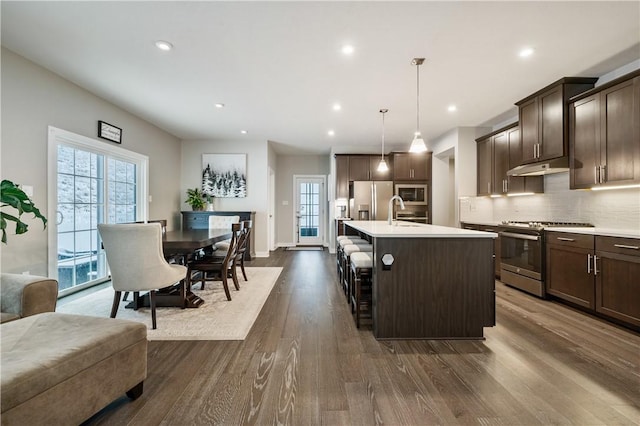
(522, 253)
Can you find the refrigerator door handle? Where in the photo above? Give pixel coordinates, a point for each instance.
(374, 202)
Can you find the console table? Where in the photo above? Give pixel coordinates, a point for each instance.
(200, 220)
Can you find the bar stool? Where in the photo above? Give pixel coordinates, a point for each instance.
(351, 239)
(361, 289)
(347, 251)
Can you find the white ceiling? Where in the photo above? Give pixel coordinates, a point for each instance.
(278, 66)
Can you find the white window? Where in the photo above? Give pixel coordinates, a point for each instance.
(91, 182)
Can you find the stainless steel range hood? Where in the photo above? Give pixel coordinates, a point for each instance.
(556, 165)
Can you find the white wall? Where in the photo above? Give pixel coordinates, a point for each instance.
(458, 145)
(34, 98)
(287, 167)
(257, 181)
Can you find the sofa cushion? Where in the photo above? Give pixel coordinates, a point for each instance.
(41, 351)
(8, 316)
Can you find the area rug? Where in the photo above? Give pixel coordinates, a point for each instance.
(304, 248)
(216, 319)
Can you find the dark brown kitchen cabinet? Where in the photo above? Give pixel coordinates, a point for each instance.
(374, 160)
(569, 270)
(342, 176)
(604, 134)
(359, 167)
(484, 166)
(496, 242)
(543, 119)
(597, 273)
(409, 166)
(617, 272)
(498, 152)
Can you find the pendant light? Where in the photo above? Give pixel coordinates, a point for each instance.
(382, 165)
(417, 145)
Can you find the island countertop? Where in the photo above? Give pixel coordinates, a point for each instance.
(400, 229)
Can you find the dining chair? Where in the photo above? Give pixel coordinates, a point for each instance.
(223, 246)
(214, 268)
(136, 261)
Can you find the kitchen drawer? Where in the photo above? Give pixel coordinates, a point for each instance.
(570, 240)
(628, 246)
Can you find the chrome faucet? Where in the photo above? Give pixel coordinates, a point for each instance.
(390, 213)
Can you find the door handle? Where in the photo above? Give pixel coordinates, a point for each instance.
(624, 246)
(603, 177)
(588, 263)
(596, 175)
(595, 265)
(565, 239)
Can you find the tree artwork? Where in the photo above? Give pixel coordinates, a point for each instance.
(224, 175)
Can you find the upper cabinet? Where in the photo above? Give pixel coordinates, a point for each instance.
(358, 167)
(342, 176)
(498, 152)
(411, 166)
(604, 134)
(542, 118)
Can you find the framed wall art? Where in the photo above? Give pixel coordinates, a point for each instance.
(224, 175)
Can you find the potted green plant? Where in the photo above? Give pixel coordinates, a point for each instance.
(12, 196)
(195, 198)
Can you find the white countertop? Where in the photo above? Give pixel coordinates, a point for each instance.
(400, 229)
(606, 232)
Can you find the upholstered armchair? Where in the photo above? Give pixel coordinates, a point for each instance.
(137, 263)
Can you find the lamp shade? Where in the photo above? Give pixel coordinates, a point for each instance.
(382, 166)
(418, 145)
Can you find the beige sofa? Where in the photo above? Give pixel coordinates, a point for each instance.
(25, 295)
(61, 369)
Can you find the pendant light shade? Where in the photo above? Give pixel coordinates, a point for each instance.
(417, 145)
(382, 165)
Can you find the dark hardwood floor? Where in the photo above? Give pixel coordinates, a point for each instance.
(304, 362)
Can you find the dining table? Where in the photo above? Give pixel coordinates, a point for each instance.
(181, 245)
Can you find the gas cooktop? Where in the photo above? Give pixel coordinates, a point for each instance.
(544, 224)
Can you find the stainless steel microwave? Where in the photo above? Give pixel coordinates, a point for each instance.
(412, 194)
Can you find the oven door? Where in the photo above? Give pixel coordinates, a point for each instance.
(522, 253)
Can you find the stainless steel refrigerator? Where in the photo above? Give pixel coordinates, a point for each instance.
(369, 200)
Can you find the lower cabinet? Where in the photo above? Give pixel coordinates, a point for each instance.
(618, 278)
(600, 274)
(569, 275)
(496, 242)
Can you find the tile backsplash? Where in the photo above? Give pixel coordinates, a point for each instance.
(616, 209)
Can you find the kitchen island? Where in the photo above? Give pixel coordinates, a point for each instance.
(430, 282)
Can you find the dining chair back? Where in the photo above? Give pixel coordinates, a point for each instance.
(238, 260)
(136, 261)
(212, 268)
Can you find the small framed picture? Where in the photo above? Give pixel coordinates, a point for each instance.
(109, 132)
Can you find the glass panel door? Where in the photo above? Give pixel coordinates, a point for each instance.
(80, 209)
(93, 183)
(309, 210)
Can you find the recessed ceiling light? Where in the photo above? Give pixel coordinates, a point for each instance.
(244, 132)
(337, 107)
(348, 49)
(164, 45)
(452, 108)
(526, 52)
(331, 133)
(219, 105)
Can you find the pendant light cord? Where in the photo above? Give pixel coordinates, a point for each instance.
(417, 98)
(382, 155)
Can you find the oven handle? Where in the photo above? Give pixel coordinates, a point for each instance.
(520, 236)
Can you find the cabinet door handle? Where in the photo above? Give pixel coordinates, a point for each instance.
(624, 246)
(488, 187)
(603, 176)
(534, 150)
(506, 185)
(588, 263)
(566, 239)
(596, 175)
(595, 265)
